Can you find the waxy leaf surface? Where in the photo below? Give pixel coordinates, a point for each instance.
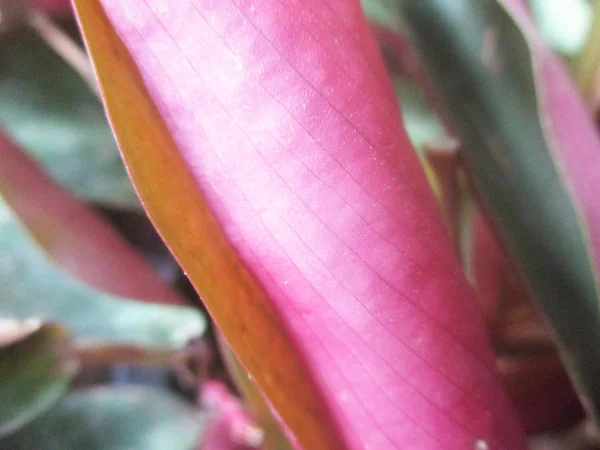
(266, 145)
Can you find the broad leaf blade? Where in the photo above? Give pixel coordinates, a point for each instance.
(113, 418)
(301, 213)
(208, 256)
(35, 372)
(533, 154)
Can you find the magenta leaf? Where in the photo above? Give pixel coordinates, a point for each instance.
(285, 118)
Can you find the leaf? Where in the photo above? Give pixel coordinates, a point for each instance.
(530, 368)
(532, 151)
(73, 234)
(35, 371)
(33, 286)
(115, 418)
(528, 361)
(265, 143)
(51, 112)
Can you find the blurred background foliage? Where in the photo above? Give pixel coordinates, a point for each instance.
(84, 367)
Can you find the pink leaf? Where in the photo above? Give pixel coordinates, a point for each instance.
(286, 120)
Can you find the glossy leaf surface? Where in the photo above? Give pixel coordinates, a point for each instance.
(266, 145)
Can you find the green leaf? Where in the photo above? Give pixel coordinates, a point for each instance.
(33, 286)
(51, 112)
(123, 418)
(495, 79)
(35, 371)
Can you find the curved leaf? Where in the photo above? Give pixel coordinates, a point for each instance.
(35, 371)
(33, 286)
(265, 143)
(531, 370)
(111, 418)
(73, 234)
(533, 154)
(52, 113)
(82, 242)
